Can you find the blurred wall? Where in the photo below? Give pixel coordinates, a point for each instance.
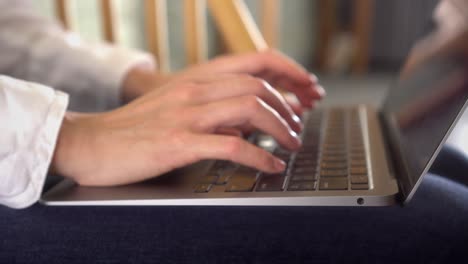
(397, 24)
(296, 32)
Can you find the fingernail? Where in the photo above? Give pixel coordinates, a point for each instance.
(320, 90)
(296, 119)
(296, 138)
(298, 122)
(280, 165)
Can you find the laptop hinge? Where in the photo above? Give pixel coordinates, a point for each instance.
(394, 157)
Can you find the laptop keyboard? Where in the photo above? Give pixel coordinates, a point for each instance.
(332, 157)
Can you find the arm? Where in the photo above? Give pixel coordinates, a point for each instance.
(195, 114)
(140, 134)
(180, 114)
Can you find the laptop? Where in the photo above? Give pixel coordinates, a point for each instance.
(355, 155)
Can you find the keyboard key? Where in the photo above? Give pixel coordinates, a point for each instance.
(357, 148)
(334, 165)
(281, 151)
(305, 170)
(239, 187)
(356, 141)
(311, 143)
(270, 183)
(335, 152)
(302, 186)
(293, 186)
(241, 182)
(358, 170)
(283, 156)
(358, 156)
(223, 169)
(302, 177)
(340, 183)
(334, 173)
(202, 188)
(309, 152)
(312, 136)
(309, 149)
(308, 186)
(334, 144)
(224, 175)
(358, 163)
(313, 155)
(334, 159)
(359, 179)
(360, 186)
(305, 163)
(209, 179)
(222, 179)
(334, 147)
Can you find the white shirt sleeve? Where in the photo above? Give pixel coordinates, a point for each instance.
(31, 115)
(38, 50)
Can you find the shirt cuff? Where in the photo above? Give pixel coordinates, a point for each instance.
(30, 161)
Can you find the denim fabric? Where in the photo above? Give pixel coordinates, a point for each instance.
(433, 228)
(452, 163)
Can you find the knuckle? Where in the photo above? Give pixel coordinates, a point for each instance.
(258, 85)
(189, 91)
(268, 53)
(201, 122)
(253, 103)
(171, 114)
(179, 138)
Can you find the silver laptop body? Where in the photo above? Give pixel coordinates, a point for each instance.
(385, 155)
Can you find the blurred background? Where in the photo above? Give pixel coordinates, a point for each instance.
(332, 36)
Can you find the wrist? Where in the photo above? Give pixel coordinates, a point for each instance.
(70, 145)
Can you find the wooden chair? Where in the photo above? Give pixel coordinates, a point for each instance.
(232, 19)
(361, 29)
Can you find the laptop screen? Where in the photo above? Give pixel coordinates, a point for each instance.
(419, 112)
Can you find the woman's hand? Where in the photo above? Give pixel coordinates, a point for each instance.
(184, 121)
(272, 66)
